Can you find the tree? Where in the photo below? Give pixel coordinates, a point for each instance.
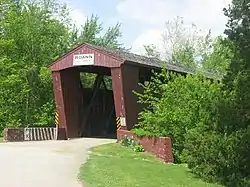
(228, 140)
(33, 34)
(184, 44)
(237, 80)
(91, 33)
(177, 104)
(151, 51)
(238, 32)
(191, 47)
(218, 60)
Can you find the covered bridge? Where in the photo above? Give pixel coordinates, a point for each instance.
(98, 110)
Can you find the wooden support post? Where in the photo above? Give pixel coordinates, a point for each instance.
(57, 86)
(124, 81)
(130, 76)
(67, 95)
(117, 85)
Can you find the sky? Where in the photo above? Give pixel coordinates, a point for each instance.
(143, 21)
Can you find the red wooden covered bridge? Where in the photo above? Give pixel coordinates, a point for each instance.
(97, 110)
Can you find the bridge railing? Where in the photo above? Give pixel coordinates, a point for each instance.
(30, 134)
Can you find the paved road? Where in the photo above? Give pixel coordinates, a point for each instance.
(44, 164)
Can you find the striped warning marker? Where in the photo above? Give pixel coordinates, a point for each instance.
(118, 123)
(57, 118)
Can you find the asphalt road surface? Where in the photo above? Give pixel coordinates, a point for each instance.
(45, 163)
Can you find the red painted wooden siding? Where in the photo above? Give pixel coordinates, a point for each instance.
(67, 96)
(130, 77)
(101, 59)
(58, 94)
(117, 84)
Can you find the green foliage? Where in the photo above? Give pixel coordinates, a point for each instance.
(142, 132)
(198, 115)
(208, 121)
(237, 79)
(91, 33)
(32, 35)
(176, 105)
(191, 47)
(219, 157)
(218, 61)
(151, 51)
(185, 56)
(132, 143)
(138, 148)
(184, 46)
(31, 38)
(222, 153)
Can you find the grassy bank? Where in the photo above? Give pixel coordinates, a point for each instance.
(115, 166)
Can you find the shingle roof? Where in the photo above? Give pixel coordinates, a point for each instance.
(151, 62)
(126, 57)
(143, 60)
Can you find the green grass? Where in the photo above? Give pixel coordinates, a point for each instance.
(115, 166)
(1, 139)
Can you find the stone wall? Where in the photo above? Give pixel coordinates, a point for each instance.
(14, 134)
(159, 146)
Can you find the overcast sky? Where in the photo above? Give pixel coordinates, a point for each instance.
(143, 20)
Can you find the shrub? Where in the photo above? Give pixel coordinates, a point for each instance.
(220, 152)
(138, 148)
(209, 125)
(220, 157)
(176, 104)
(142, 132)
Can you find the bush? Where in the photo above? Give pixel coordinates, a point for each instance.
(220, 157)
(220, 152)
(176, 104)
(138, 148)
(209, 126)
(142, 132)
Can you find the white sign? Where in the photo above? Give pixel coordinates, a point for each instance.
(83, 59)
(123, 121)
